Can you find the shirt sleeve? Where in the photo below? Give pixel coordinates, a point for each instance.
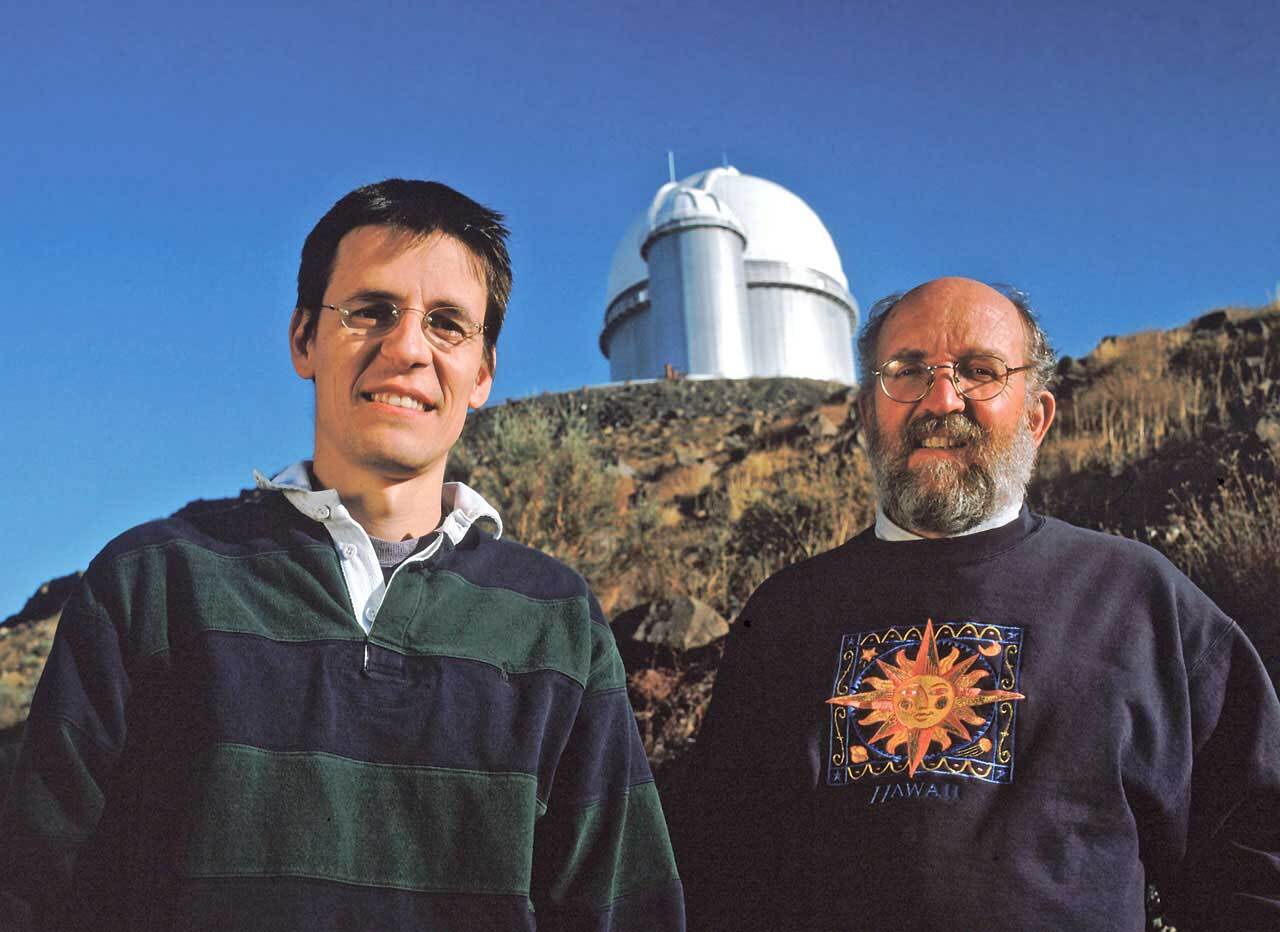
(1230, 877)
(602, 856)
(71, 743)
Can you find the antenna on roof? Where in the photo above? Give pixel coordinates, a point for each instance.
(724, 158)
(671, 165)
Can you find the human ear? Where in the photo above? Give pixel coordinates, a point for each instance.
(1040, 414)
(866, 407)
(300, 343)
(484, 379)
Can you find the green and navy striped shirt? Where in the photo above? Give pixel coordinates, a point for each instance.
(218, 743)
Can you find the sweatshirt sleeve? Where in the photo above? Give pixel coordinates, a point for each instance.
(72, 740)
(602, 857)
(1230, 878)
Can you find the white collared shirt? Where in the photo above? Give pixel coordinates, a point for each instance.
(886, 529)
(460, 505)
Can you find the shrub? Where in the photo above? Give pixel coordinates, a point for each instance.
(549, 481)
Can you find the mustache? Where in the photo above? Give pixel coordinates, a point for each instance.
(953, 426)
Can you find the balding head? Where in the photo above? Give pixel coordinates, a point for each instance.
(952, 295)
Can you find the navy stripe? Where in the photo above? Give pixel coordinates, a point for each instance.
(231, 528)
(316, 696)
(483, 561)
(642, 911)
(605, 755)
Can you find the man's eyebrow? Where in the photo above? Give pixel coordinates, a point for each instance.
(906, 355)
(374, 294)
(915, 355)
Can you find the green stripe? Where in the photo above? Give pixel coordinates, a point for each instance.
(424, 614)
(199, 590)
(310, 814)
(620, 846)
(444, 614)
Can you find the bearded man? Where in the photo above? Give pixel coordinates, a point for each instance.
(971, 716)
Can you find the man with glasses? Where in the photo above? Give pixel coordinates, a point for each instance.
(971, 716)
(338, 703)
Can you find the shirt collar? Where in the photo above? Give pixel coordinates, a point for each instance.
(886, 529)
(460, 505)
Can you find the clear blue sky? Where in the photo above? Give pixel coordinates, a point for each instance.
(160, 165)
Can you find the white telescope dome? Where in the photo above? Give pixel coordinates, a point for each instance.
(726, 275)
(779, 227)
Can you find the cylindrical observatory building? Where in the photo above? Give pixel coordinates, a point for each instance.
(726, 275)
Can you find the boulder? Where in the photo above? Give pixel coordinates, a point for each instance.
(682, 623)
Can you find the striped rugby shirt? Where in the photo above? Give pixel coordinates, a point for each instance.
(217, 742)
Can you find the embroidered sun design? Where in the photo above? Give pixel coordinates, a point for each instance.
(925, 700)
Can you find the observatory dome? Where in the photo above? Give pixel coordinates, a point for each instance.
(779, 227)
(728, 275)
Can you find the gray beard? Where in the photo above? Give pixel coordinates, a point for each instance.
(947, 497)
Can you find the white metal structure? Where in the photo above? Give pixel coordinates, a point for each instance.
(728, 275)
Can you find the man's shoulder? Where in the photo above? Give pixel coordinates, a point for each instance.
(254, 522)
(1059, 535)
(531, 597)
(500, 563)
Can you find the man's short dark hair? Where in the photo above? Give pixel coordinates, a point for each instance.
(420, 208)
(1040, 355)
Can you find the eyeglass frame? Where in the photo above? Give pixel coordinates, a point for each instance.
(344, 315)
(954, 378)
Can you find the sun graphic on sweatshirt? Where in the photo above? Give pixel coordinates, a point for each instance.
(925, 700)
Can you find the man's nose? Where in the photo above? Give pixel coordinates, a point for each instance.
(407, 345)
(942, 397)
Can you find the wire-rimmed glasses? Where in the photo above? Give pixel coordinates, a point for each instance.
(446, 327)
(978, 378)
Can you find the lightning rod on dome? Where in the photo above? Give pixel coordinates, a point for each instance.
(671, 165)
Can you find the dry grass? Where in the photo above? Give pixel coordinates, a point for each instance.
(684, 482)
(1231, 547)
(799, 513)
(1135, 406)
(23, 650)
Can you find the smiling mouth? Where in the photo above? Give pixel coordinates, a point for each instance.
(941, 443)
(397, 401)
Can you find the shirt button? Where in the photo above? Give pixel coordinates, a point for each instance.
(348, 551)
(370, 613)
(322, 512)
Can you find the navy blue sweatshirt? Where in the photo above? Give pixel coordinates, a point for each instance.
(1010, 730)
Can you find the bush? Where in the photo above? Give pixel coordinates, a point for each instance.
(549, 482)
